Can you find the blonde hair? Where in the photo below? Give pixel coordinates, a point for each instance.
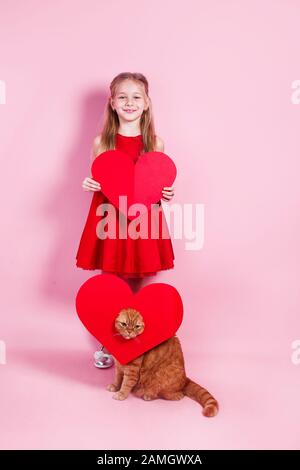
(111, 120)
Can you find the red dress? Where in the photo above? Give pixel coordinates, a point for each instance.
(124, 256)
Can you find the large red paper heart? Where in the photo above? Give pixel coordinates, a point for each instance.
(100, 299)
(142, 182)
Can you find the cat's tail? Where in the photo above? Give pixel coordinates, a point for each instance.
(202, 396)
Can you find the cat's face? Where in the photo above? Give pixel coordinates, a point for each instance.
(129, 323)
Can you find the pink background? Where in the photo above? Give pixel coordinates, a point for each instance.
(220, 75)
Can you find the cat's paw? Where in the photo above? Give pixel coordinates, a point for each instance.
(138, 392)
(148, 397)
(119, 396)
(112, 388)
(173, 396)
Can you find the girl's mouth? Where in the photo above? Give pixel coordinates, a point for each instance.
(129, 110)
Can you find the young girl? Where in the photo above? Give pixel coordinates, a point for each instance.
(128, 127)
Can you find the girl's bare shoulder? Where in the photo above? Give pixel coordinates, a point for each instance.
(98, 147)
(159, 144)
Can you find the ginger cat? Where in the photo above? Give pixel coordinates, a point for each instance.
(159, 372)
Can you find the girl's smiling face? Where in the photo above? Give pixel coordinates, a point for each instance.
(130, 100)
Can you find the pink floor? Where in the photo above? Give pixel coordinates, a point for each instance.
(52, 397)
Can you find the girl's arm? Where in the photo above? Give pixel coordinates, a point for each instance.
(96, 149)
(89, 184)
(167, 192)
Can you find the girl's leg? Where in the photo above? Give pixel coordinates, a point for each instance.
(103, 358)
(135, 283)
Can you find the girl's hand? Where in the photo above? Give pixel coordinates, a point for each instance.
(168, 193)
(89, 184)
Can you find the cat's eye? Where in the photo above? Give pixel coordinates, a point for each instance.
(123, 323)
(137, 326)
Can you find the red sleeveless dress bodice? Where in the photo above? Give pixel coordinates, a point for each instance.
(127, 257)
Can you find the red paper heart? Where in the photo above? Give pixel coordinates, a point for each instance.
(100, 299)
(141, 182)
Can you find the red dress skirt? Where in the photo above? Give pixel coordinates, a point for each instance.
(127, 257)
